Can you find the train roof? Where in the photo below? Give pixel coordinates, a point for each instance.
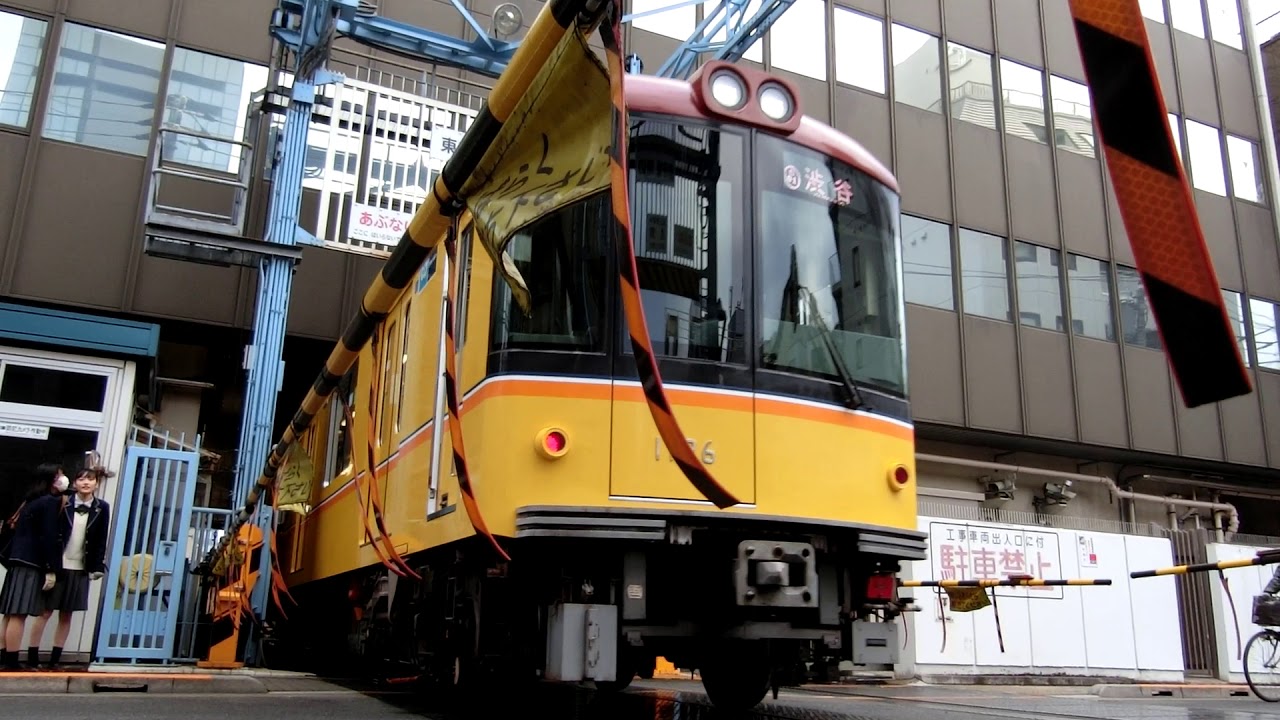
(646, 93)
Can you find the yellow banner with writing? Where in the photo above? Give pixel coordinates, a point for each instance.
(293, 482)
(552, 151)
(967, 599)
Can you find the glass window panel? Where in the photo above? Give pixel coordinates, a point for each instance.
(21, 49)
(798, 40)
(1175, 128)
(859, 41)
(926, 263)
(30, 385)
(677, 23)
(1089, 282)
(970, 77)
(104, 90)
(1153, 9)
(1224, 22)
(1072, 116)
(1039, 286)
(917, 77)
(1205, 148)
(1187, 16)
(1263, 315)
(1023, 94)
(210, 95)
(1135, 315)
(984, 274)
(1246, 175)
(755, 53)
(1235, 312)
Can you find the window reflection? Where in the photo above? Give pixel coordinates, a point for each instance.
(21, 49)
(859, 41)
(1205, 148)
(984, 274)
(755, 53)
(926, 263)
(1175, 127)
(1023, 94)
(1136, 320)
(104, 90)
(1263, 315)
(1235, 312)
(209, 94)
(917, 77)
(1072, 116)
(970, 76)
(1224, 22)
(1246, 175)
(1089, 282)
(1039, 286)
(687, 198)
(1187, 16)
(798, 39)
(564, 260)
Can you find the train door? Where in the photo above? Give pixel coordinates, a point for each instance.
(691, 236)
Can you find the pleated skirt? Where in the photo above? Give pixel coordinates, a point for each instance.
(71, 592)
(23, 592)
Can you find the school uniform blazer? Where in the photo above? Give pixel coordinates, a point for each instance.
(95, 533)
(36, 537)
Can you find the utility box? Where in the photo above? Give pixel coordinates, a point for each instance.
(875, 643)
(582, 642)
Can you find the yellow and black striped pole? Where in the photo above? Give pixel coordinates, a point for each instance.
(1266, 557)
(426, 229)
(1013, 582)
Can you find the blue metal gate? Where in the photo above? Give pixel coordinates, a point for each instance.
(142, 597)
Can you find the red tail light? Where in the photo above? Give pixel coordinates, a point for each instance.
(880, 586)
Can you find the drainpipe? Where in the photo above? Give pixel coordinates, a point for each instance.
(1233, 523)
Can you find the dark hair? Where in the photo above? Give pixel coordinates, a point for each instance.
(43, 484)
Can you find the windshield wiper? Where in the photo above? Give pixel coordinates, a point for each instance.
(852, 391)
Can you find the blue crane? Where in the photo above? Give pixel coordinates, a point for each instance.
(307, 29)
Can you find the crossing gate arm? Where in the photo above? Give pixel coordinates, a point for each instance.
(425, 230)
(1265, 557)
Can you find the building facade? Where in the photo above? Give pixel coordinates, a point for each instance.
(1031, 346)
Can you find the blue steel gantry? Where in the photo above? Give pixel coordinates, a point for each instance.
(307, 28)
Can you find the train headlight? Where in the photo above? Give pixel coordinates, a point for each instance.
(899, 477)
(728, 89)
(776, 102)
(552, 443)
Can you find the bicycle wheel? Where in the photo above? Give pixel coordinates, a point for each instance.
(1261, 661)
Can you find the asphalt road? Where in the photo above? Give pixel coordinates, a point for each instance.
(647, 701)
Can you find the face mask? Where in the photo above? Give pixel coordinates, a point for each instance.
(61, 483)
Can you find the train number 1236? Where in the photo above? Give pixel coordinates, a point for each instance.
(708, 452)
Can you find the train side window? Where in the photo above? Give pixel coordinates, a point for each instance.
(388, 379)
(564, 260)
(339, 449)
(464, 292)
(404, 363)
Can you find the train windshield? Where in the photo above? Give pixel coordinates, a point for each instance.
(828, 262)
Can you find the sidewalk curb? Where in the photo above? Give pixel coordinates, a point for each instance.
(143, 683)
(1134, 691)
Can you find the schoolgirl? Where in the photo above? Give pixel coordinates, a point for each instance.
(33, 558)
(83, 530)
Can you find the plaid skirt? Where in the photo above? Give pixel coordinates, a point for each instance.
(23, 592)
(70, 593)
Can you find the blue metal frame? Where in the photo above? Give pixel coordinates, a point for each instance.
(135, 519)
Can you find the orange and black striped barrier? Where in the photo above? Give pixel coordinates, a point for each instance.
(1267, 557)
(1010, 582)
(1156, 203)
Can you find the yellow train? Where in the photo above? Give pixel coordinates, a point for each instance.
(768, 254)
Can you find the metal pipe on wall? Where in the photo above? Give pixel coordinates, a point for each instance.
(1234, 516)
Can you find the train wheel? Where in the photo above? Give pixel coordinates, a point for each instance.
(736, 675)
(627, 664)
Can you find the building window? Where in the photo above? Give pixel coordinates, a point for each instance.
(1224, 22)
(1072, 115)
(1152, 9)
(1205, 146)
(917, 76)
(859, 41)
(798, 40)
(1175, 129)
(104, 90)
(1246, 175)
(1022, 89)
(1136, 320)
(1263, 315)
(210, 95)
(1235, 311)
(970, 77)
(1039, 284)
(21, 50)
(984, 274)
(1089, 282)
(755, 53)
(1187, 16)
(926, 263)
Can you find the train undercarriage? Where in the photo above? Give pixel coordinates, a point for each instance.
(596, 595)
